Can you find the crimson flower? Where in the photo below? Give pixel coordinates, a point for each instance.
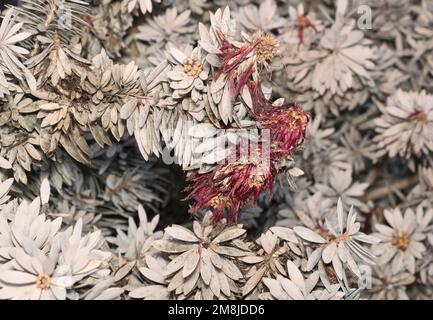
(230, 185)
(287, 125)
(239, 63)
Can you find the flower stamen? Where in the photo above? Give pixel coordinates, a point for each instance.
(216, 201)
(43, 281)
(266, 48)
(401, 241)
(192, 66)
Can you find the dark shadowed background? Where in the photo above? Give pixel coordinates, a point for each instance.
(3, 3)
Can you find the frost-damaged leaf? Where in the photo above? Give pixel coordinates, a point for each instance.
(5, 187)
(215, 283)
(73, 150)
(216, 260)
(123, 271)
(128, 108)
(181, 233)
(202, 130)
(285, 234)
(228, 251)
(149, 292)
(50, 106)
(177, 54)
(216, 155)
(296, 276)
(17, 277)
(225, 107)
(45, 191)
(296, 172)
(253, 281)
(329, 252)
(176, 281)
(191, 281)
(171, 247)
(10, 51)
(229, 234)
(152, 275)
(340, 215)
(231, 270)
(224, 283)
(308, 235)
(338, 267)
(290, 287)
(191, 262)
(205, 266)
(4, 164)
(275, 288)
(252, 259)
(177, 263)
(268, 242)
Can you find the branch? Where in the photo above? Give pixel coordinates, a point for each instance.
(392, 187)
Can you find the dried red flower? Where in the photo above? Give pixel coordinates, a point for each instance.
(262, 49)
(304, 22)
(287, 126)
(229, 186)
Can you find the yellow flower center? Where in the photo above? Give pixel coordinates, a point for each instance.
(192, 66)
(266, 48)
(43, 281)
(215, 202)
(256, 180)
(329, 237)
(401, 241)
(298, 118)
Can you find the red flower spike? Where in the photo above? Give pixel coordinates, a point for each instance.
(260, 103)
(229, 186)
(231, 57)
(264, 49)
(287, 125)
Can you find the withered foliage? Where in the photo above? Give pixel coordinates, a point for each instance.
(299, 133)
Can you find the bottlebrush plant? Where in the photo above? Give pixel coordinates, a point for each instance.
(297, 135)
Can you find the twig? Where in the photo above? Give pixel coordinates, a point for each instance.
(373, 174)
(392, 187)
